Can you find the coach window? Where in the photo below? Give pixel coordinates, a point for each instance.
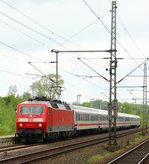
(96, 117)
(103, 118)
(100, 117)
(91, 117)
(87, 117)
(120, 118)
(81, 116)
(127, 119)
(78, 116)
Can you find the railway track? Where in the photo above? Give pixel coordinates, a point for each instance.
(7, 141)
(41, 153)
(137, 155)
(16, 147)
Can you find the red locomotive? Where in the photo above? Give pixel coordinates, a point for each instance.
(41, 119)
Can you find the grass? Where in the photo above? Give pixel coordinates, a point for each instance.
(7, 121)
(106, 155)
(99, 157)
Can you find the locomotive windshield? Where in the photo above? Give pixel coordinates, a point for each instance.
(31, 109)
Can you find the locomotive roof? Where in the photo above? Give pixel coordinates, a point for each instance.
(75, 107)
(53, 104)
(37, 102)
(43, 100)
(88, 110)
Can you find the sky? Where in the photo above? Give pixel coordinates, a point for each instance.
(30, 29)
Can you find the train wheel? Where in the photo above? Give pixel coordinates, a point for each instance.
(17, 138)
(45, 138)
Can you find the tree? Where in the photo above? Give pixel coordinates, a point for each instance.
(47, 86)
(12, 90)
(26, 95)
(126, 108)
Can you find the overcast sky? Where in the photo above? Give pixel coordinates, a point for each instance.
(30, 29)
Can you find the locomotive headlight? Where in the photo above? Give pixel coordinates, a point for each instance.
(40, 125)
(20, 124)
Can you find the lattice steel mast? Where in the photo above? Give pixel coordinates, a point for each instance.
(145, 112)
(113, 103)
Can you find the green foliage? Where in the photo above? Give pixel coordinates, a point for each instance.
(95, 158)
(86, 104)
(7, 121)
(45, 86)
(9, 103)
(7, 114)
(26, 95)
(126, 108)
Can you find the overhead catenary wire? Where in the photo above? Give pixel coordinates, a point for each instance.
(34, 30)
(71, 74)
(94, 70)
(39, 24)
(130, 36)
(135, 98)
(41, 72)
(108, 30)
(22, 13)
(31, 19)
(15, 49)
(24, 53)
(41, 34)
(96, 16)
(41, 43)
(66, 40)
(128, 33)
(81, 30)
(44, 75)
(122, 58)
(14, 73)
(132, 70)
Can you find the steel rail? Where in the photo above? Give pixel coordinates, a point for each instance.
(16, 146)
(41, 154)
(144, 159)
(7, 141)
(120, 158)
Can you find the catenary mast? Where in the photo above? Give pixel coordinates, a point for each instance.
(113, 103)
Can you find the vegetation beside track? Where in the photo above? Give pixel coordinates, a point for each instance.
(125, 144)
(7, 114)
(9, 103)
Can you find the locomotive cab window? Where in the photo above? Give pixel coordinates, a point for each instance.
(31, 109)
(54, 105)
(61, 106)
(67, 107)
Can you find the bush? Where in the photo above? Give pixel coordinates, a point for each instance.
(8, 114)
